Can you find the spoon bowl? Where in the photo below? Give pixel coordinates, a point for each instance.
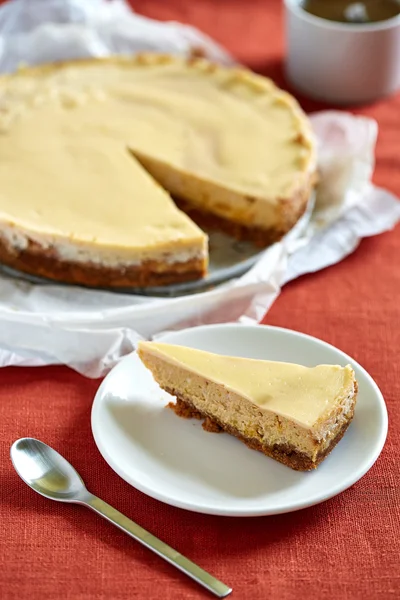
(46, 471)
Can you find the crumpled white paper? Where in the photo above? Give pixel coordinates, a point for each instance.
(91, 330)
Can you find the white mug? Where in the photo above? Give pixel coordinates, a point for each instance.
(343, 63)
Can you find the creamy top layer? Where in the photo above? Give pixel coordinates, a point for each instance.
(78, 187)
(302, 394)
(65, 133)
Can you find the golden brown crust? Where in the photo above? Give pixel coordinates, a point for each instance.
(234, 74)
(284, 454)
(44, 262)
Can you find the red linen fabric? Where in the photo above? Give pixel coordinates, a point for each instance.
(346, 548)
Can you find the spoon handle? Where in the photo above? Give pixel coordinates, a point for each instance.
(150, 541)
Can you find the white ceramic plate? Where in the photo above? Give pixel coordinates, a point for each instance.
(175, 461)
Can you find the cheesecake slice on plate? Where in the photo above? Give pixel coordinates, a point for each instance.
(292, 413)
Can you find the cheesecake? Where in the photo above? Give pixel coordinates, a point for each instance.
(292, 413)
(110, 169)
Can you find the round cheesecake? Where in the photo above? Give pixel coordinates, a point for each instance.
(101, 159)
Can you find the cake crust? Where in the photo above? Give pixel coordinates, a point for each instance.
(44, 262)
(282, 453)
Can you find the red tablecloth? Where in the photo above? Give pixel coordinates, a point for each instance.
(347, 547)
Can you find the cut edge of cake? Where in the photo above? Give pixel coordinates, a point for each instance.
(217, 208)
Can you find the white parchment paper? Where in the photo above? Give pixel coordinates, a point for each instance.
(91, 330)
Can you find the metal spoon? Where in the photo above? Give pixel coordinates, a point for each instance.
(52, 476)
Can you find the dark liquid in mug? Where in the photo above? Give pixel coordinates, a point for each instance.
(335, 10)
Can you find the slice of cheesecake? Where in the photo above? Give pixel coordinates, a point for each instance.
(292, 413)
